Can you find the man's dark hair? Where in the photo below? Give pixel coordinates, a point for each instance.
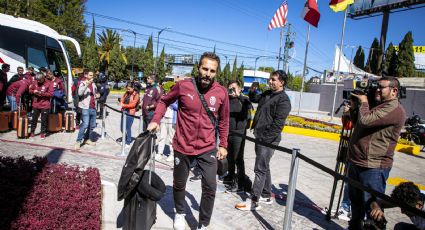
(5, 65)
(130, 84)
(209, 55)
(281, 76)
(20, 67)
(407, 192)
(154, 77)
(394, 83)
(234, 82)
(86, 71)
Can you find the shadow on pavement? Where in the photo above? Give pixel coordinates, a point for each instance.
(54, 155)
(167, 206)
(303, 206)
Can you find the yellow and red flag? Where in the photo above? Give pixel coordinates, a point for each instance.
(339, 5)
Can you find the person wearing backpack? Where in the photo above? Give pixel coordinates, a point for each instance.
(76, 97)
(103, 92)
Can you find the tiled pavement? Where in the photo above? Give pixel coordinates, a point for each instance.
(313, 186)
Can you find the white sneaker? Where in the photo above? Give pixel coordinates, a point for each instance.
(264, 200)
(158, 157)
(344, 215)
(179, 221)
(202, 228)
(248, 205)
(170, 158)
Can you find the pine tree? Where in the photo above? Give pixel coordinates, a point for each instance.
(359, 58)
(391, 60)
(372, 61)
(240, 75)
(148, 60)
(226, 75)
(116, 68)
(90, 51)
(234, 75)
(161, 66)
(195, 69)
(406, 58)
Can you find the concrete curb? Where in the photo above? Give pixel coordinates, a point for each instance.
(110, 205)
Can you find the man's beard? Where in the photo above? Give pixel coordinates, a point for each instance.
(204, 82)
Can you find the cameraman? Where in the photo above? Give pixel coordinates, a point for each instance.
(372, 145)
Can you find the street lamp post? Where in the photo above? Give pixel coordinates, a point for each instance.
(157, 44)
(255, 66)
(134, 54)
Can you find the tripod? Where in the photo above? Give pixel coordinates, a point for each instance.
(341, 162)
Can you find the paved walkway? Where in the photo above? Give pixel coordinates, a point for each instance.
(313, 186)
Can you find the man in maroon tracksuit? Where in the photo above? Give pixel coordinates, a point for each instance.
(195, 139)
(150, 99)
(42, 92)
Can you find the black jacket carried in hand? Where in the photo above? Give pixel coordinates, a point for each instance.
(272, 110)
(135, 163)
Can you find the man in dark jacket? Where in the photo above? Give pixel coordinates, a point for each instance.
(195, 139)
(240, 120)
(103, 92)
(273, 108)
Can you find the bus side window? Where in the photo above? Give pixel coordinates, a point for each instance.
(36, 58)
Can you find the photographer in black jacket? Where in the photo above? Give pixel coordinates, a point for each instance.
(240, 120)
(273, 108)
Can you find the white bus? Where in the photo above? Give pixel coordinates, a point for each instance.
(28, 43)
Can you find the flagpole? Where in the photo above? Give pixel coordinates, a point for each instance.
(305, 68)
(280, 49)
(339, 63)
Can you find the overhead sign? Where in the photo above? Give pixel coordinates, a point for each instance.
(416, 49)
(367, 7)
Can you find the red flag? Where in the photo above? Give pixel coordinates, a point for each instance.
(279, 18)
(311, 12)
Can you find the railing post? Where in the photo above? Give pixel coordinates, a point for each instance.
(291, 190)
(103, 122)
(124, 131)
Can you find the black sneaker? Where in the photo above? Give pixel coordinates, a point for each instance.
(228, 180)
(196, 178)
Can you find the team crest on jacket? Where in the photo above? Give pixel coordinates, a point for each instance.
(212, 101)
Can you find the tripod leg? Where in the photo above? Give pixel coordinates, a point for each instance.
(341, 190)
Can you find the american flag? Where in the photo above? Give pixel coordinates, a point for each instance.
(279, 18)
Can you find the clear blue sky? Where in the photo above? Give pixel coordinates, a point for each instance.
(244, 22)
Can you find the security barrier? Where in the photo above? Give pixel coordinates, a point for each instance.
(295, 156)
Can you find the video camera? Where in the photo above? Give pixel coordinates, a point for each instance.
(366, 87)
(355, 86)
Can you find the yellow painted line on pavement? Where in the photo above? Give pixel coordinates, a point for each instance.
(394, 181)
(311, 133)
(408, 149)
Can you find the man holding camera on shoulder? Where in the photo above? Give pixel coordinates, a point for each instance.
(372, 145)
